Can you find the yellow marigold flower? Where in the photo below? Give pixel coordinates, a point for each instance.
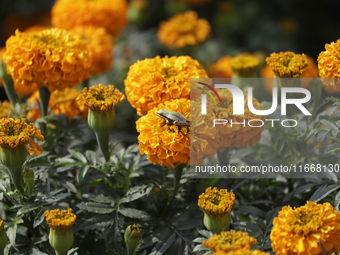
(53, 58)
(15, 133)
(100, 98)
(100, 45)
(2, 225)
(230, 241)
(287, 64)
(233, 135)
(183, 29)
(153, 81)
(310, 71)
(299, 230)
(222, 68)
(216, 202)
(168, 145)
(100, 13)
(5, 108)
(60, 220)
(241, 252)
(244, 64)
(329, 67)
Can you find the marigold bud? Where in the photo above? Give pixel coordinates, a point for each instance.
(217, 224)
(131, 237)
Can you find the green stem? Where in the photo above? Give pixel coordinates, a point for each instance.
(85, 84)
(103, 142)
(44, 99)
(224, 157)
(8, 83)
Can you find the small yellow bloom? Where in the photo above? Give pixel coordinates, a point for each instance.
(329, 67)
(100, 98)
(184, 29)
(5, 108)
(100, 13)
(100, 45)
(222, 68)
(244, 64)
(151, 82)
(60, 220)
(216, 202)
(230, 241)
(299, 230)
(168, 145)
(287, 64)
(15, 133)
(241, 252)
(53, 58)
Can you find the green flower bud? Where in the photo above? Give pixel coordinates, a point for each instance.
(131, 237)
(217, 224)
(61, 241)
(3, 238)
(13, 159)
(101, 122)
(29, 180)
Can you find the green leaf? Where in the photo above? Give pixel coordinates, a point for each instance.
(91, 157)
(99, 199)
(96, 222)
(207, 234)
(133, 213)
(323, 192)
(200, 247)
(252, 210)
(12, 230)
(135, 193)
(82, 173)
(164, 244)
(55, 199)
(78, 155)
(70, 187)
(337, 201)
(73, 251)
(39, 218)
(96, 207)
(28, 208)
(155, 236)
(299, 190)
(332, 147)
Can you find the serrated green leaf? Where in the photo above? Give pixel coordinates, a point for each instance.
(133, 213)
(96, 207)
(323, 192)
(55, 199)
(78, 155)
(27, 209)
(99, 199)
(200, 247)
(252, 210)
(332, 147)
(299, 190)
(164, 244)
(39, 218)
(135, 193)
(91, 157)
(82, 173)
(329, 124)
(207, 234)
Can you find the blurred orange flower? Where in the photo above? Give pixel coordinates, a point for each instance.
(168, 145)
(53, 58)
(244, 64)
(153, 81)
(329, 67)
(183, 29)
(5, 108)
(222, 68)
(110, 14)
(100, 45)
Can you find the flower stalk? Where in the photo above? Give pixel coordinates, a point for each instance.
(44, 100)
(8, 83)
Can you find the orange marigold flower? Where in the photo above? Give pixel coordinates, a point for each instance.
(230, 241)
(22, 90)
(153, 81)
(244, 64)
(168, 145)
(183, 29)
(100, 45)
(287, 64)
(329, 67)
(15, 133)
(222, 68)
(100, 98)
(241, 252)
(302, 229)
(5, 108)
(100, 13)
(53, 58)
(60, 220)
(61, 102)
(235, 135)
(216, 202)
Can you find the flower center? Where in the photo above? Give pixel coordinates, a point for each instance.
(168, 72)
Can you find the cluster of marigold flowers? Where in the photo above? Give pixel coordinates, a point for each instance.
(309, 229)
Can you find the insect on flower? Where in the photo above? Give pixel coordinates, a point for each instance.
(173, 118)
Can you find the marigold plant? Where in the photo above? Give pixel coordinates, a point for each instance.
(101, 13)
(100, 45)
(15, 133)
(299, 230)
(222, 68)
(168, 145)
(60, 220)
(230, 241)
(153, 81)
(53, 58)
(183, 29)
(287, 64)
(329, 67)
(5, 108)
